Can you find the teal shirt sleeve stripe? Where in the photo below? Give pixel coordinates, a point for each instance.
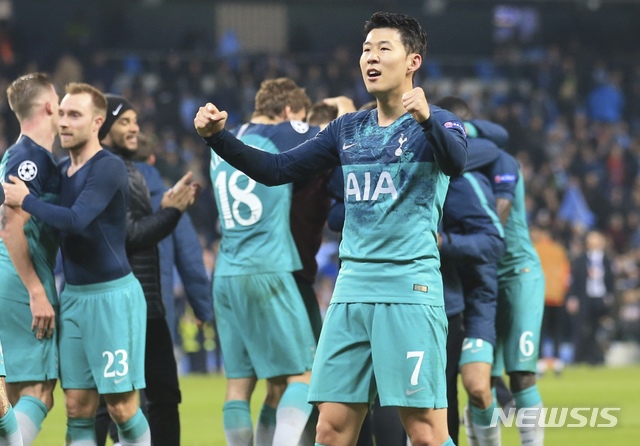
(483, 201)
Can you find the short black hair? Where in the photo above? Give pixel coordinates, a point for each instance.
(413, 37)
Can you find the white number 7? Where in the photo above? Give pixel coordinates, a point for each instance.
(414, 375)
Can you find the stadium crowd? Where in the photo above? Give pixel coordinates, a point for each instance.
(573, 117)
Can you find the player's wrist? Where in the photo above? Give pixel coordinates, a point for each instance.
(36, 293)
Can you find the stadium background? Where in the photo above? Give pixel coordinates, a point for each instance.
(562, 76)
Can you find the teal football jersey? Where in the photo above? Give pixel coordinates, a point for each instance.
(254, 218)
(394, 194)
(37, 168)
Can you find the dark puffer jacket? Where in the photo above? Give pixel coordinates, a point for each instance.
(144, 230)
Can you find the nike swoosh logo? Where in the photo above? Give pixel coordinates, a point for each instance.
(411, 392)
(117, 110)
(119, 380)
(476, 350)
(345, 146)
(524, 359)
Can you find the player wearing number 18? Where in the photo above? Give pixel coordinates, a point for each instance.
(264, 329)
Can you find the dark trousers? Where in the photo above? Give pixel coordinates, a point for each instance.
(554, 328)
(455, 336)
(162, 393)
(588, 349)
(386, 425)
(382, 426)
(311, 305)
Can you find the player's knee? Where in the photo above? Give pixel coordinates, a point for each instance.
(47, 400)
(326, 432)
(46, 393)
(521, 380)
(424, 438)
(122, 406)
(77, 409)
(479, 393)
(332, 430)
(40, 390)
(275, 390)
(121, 412)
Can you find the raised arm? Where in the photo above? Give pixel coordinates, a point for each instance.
(443, 130)
(309, 158)
(449, 145)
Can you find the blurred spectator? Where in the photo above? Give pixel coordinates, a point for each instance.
(557, 269)
(590, 297)
(606, 101)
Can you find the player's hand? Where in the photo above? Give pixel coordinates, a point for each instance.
(342, 103)
(15, 191)
(181, 195)
(44, 318)
(415, 102)
(209, 120)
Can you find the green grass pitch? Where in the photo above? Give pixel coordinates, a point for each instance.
(203, 396)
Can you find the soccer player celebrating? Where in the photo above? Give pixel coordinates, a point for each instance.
(263, 325)
(386, 318)
(28, 296)
(520, 288)
(103, 309)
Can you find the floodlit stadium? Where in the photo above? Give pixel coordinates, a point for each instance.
(461, 209)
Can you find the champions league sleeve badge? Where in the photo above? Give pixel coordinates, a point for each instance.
(27, 170)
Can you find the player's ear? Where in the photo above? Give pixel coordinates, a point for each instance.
(97, 122)
(49, 108)
(415, 62)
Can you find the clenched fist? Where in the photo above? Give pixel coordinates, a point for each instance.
(415, 102)
(209, 120)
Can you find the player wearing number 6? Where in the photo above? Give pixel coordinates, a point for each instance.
(520, 288)
(102, 308)
(262, 322)
(385, 329)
